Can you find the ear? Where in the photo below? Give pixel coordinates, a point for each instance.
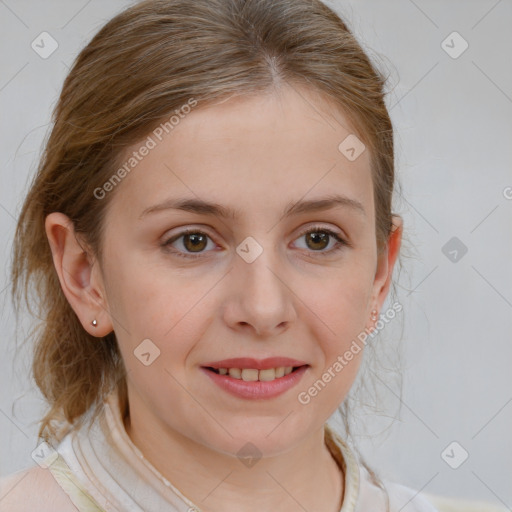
(79, 277)
(385, 264)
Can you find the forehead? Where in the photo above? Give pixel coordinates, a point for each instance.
(266, 150)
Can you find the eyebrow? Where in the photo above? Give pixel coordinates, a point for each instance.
(294, 208)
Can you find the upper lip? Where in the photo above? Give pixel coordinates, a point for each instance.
(258, 364)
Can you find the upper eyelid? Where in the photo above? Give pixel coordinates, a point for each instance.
(314, 227)
(205, 230)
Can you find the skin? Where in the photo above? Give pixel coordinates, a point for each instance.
(257, 155)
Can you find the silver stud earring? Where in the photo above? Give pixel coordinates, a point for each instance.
(94, 322)
(374, 314)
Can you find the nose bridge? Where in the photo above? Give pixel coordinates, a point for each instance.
(259, 266)
(262, 297)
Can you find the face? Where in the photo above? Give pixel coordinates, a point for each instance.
(188, 287)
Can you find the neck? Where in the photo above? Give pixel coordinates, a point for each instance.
(306, 476)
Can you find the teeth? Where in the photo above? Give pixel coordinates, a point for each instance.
(251, 374)
(268, 374)
(236, 373)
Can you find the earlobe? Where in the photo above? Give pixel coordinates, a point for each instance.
(74, 269)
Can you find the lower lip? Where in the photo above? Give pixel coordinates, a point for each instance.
(257, 389)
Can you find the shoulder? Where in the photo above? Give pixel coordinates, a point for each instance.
(407, 499)
(32, 489)
(401, 497)
(450, 504)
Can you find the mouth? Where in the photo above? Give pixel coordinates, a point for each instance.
(253, 374)
(254, 383)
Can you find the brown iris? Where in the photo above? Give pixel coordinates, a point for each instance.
(318, 237)
(195, 242)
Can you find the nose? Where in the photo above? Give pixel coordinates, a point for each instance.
(260, 300)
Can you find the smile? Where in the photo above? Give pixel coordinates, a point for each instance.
(251, 383)
(252, 374)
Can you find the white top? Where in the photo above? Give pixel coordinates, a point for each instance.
(101, 470)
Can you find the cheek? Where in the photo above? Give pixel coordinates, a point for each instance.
(151, 312)
(337, 317)
(340, 301)
(147, 299)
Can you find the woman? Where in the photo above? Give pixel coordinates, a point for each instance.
(212, 240)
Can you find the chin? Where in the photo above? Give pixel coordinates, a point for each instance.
(267, 438)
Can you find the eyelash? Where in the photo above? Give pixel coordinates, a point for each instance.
(341, 243)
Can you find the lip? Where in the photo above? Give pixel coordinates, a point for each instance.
(257, 390)
(258, 364)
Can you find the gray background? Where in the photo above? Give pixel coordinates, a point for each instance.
(453, 118)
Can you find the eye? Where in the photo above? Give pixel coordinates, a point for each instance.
(194, 241)
(318, 238)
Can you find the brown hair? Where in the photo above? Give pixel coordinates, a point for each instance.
(146, 62)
